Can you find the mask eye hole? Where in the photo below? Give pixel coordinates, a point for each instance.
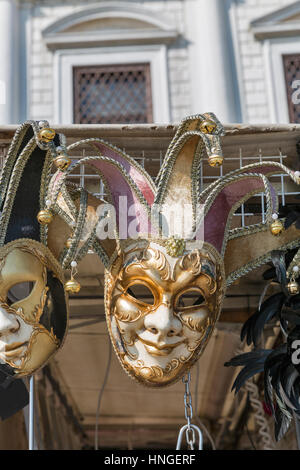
(190, 298)
(141, 292)
(19, 292)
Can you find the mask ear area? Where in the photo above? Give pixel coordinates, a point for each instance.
(250, 247)
(266, 168)
(214, 223)
(252, 250)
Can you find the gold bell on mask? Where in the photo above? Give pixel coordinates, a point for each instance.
(62, 161)
(72, 286)
(276, 227)
(207, 126)
(293, 286)
(215, 160)
(68, 242)
(46, 134)
(45, 217)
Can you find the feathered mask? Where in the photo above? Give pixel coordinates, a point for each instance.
(281, 365)
(180, 263)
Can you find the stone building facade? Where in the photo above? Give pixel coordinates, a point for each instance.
(187, 56)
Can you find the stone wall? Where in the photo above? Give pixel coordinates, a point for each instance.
(252, 59)
(250, 56)
(41, 69)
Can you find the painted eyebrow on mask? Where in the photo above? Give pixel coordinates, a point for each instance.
(142, 268)
(194, 320)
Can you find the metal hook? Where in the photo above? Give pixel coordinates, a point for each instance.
(187, 429)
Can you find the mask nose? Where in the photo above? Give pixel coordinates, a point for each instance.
(8, 322)
(163, 323)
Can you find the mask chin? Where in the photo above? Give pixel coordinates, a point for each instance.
(33, 323)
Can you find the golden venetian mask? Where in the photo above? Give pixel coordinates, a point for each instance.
(33, 303)
(158, 338)
(164, 288)
(33, 307)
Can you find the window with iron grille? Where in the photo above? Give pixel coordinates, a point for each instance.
(291, 64)
(112, 94)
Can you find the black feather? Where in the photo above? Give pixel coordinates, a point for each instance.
(275, 356)
(253, 363)
(288, 377)
(246, 373)
(254, 326)
(247, 329)
(272, 362)
(295, 395)
(269, 274)
(291, 218)
(291, 317)
(268, 389)
(294, 302)
(281, 376)
(278, 260)
(284, 372)
(282, 424)
(247, 358)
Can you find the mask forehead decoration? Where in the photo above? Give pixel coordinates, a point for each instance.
(164, 286)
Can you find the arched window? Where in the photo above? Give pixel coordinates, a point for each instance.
(111, 65)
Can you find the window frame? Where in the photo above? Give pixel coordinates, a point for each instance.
(274, 50)
(291, 105)
(145, 67)
(65, 60)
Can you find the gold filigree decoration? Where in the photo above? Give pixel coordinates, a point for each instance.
(38, 310)
(28, 352)
(192, 261)
(155, 258)
(128, 317)
(195, 262)
(7, 308)
(194, 323)
(37, 249)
